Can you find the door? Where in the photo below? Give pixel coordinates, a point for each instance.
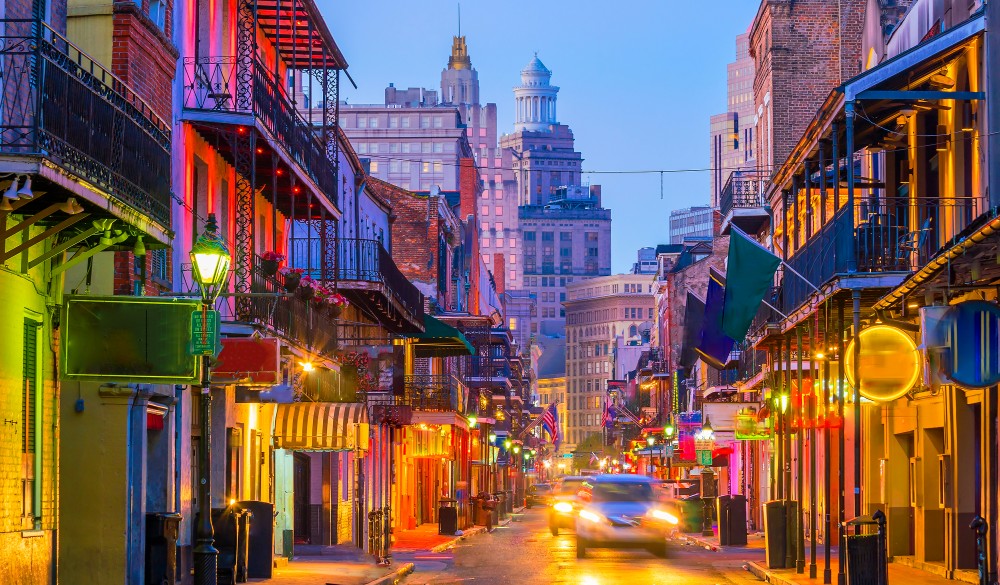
(300, 487)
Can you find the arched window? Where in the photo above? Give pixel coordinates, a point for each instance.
(633, 331)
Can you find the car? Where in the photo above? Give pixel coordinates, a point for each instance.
(562, 512)
(539, 494)
(623, 511)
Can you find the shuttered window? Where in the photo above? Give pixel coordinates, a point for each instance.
(28, 385)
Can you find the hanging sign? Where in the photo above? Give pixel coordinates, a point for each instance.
(889, 364)
(971, 332)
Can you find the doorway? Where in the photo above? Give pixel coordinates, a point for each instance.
(300, 489)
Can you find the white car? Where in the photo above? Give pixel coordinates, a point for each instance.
(622, 511)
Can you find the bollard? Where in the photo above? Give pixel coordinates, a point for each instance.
(981, 527)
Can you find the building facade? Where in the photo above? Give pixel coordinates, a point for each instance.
(691, 223)
(731, 133)
(598, 312)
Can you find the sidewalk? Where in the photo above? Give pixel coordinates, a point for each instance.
(897, 574)
(318, 570)
(426, 538)
(755, 542)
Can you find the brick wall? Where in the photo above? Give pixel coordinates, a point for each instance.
(143, 56)
(802, 49)
(694, 279)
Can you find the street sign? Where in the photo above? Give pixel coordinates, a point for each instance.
(205, 333)
(704, 458)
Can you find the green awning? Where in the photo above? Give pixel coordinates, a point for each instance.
(440, 340)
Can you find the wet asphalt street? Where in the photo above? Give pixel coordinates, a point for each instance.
(524, 552)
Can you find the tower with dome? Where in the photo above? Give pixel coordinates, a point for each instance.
(535, 98)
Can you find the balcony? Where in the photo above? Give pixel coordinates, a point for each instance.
(367, 274)
(742, 202)
(220, 97)
(435, 393)
(61, 106)
(298, 321)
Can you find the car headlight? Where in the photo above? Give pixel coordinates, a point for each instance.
(564, 507)
(665, 516)
(591, 516)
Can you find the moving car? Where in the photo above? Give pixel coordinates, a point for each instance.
(562, 513)
(539, 494)
(622, 511)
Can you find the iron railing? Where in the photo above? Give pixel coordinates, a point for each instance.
(744, 190)
(441, 393)
(492, 368)
(368, 261)
(290, 316)
(59, 104)
(890, 234)
(211, 83)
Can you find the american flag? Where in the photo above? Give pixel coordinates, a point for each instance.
(550, 422)
(608, 417)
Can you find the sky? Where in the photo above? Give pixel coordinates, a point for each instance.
(638, 82)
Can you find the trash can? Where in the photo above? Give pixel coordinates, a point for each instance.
(162, 530)
(692, 510)
(447, 516)
(498, 508)
(867, 561)
(224, 522)
(243, 517)
(260, 539)
(730, 517)
(775, 534)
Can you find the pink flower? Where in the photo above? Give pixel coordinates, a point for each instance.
(273, 256)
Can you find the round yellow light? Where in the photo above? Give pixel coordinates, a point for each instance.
(890, 363)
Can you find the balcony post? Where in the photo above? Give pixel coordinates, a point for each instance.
(807, 185)
(835, 159)
(800, 557)
(822, 184)
(841, 389)
(274, 206)
(852, 260)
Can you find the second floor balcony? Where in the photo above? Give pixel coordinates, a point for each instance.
(435, 393)
(73, 125)
(743, 203)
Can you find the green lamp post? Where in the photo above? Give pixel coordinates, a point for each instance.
(210, 260)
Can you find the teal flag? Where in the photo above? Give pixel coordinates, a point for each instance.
(750, 275)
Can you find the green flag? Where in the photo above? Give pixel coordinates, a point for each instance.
(749, 277)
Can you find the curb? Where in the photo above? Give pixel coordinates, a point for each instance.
(706, 544)
(766, 575)
(394, 576)
(451, 543)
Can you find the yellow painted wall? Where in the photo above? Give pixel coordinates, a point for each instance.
(90, 26)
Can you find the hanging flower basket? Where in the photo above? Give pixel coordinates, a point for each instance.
(306, 289)
(334, 311)
(270, 262)
(292, 277)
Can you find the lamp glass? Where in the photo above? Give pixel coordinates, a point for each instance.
(210, 260)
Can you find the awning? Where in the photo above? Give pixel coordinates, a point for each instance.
(321, 426)
(440, 340)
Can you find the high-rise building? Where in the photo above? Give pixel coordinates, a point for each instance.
(565, 233)
(645, 261)
(598, 311)
(416, 138)
(731, 133)
(692, 222)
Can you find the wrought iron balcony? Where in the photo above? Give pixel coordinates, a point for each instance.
(742, 203)
(60, 105)
(437, 393)
(218, 85)
(488, 369)
(888, 234)
(291, 317)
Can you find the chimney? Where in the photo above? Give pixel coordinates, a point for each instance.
(499, 272)
(468, 188)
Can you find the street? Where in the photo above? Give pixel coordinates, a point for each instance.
(524, 552)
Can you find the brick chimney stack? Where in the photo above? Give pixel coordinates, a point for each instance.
(468, 188)
(499, 270)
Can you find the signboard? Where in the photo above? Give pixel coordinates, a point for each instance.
(142, 340)
(205, 333)
(889, 363)
(248, 361)
(704, 457)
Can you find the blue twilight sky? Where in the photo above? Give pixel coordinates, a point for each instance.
(638, 81)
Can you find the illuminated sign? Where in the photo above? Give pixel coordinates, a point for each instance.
(971, 332)
(889, 363)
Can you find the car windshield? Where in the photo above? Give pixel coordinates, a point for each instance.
(571, 486)
(623, 492)
(541, 488)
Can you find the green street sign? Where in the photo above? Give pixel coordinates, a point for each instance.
(705, 458)
(205, 333)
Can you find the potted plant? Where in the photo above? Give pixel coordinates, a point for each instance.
(270, 262)
(307, 288)
(336, 303)
(292, 278)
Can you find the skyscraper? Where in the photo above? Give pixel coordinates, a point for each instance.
(565, 234)
(731, 132)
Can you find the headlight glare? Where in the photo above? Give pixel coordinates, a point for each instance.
(564, 507)
(666, 516)
(588, 515)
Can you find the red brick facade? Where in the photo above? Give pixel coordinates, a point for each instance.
(802, 49)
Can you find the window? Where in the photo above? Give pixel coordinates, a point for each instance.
(482, 131)
(438, 121)
(484, 226)
(394, 121)
(362, 121)
(498, 210)
(405, 165)
(498, 193)
(405, 122)
(425, 168)
(394, 166)
(394, 147)
(438, 147)
(529, 236)
(513, 259)
(485, 210)
(512, 324)
(425, 122)
(157, 13)
(438, 167)
(512, 274)
(512, 242)
(498, 227)
(486, 193)
(486, 258)
(499, 243)
(374, 167)
(373, 122)
(31, 506)
(158, 265)
(425, 147)
(362, 148)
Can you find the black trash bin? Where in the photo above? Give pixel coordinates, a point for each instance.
(447, 516)
(260, 539)
(867, 559)
(162, 530)
(737, 520)
(775, 537)
(224, 521)
(243, 517)
(722, 511)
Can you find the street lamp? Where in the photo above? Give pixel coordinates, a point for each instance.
(650, 441)
(210, 260)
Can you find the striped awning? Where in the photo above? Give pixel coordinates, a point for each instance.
(321, 426)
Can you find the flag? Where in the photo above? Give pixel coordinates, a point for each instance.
(715, 345)
(750, 275)
(550, 422)
(594, 458)
(608, 416)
